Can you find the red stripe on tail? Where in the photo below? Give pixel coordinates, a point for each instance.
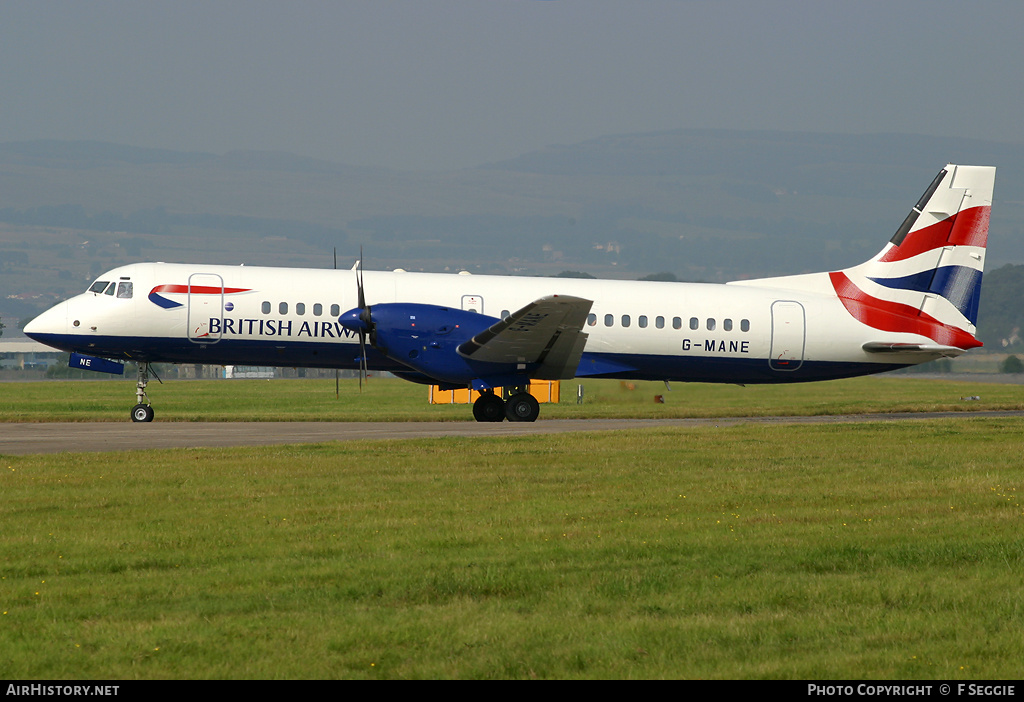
(967, 228)
(897, 317)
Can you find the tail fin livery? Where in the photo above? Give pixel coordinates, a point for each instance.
(927, 279)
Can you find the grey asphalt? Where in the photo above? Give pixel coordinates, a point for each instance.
(49, 438)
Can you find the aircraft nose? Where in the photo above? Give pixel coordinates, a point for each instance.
(51, 322)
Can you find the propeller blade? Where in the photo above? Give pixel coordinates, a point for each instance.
(360, 320)
(365, 317)
(359, 282)
(362, 359)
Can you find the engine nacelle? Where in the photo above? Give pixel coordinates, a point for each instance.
(426, 338)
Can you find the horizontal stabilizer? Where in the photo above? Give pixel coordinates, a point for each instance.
(891, 347)
(548, 332)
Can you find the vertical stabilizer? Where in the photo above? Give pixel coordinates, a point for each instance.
(927, 279)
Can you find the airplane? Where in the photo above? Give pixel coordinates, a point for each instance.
(915, 301)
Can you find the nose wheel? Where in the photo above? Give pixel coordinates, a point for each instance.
(143, 410)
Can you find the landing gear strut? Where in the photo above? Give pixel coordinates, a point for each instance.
(142, 411)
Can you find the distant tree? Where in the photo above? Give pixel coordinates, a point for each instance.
(2, 325)
(664, 276)
(1001, 316)
(1011, 364)
(574, 274)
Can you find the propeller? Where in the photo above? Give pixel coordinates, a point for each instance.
(360, 320)
(365, 318)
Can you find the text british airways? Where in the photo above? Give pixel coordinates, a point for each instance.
(278, 327)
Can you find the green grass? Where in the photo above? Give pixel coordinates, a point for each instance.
(396, 400)
(805, 552)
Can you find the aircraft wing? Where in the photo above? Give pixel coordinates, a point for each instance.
(548, 331)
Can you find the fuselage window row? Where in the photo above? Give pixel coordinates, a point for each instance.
(625, 321)
(300, 308)
(659, 322)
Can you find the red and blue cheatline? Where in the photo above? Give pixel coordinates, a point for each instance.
(169, 304)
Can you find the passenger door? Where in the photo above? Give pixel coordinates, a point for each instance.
(788, 333)
(205, 302)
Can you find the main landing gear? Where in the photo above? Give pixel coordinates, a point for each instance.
(520, 407)
(143, 410)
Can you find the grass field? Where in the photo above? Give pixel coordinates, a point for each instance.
(878, 550)
(395, 400)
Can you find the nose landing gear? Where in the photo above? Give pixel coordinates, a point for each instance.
(143, 410)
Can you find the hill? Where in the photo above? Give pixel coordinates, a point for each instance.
(702, 204)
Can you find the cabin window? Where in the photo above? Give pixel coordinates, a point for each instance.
(659, 322)
(318, 310)
(609, 320)
(99, 286)
(727, 324)
(300, 308)
(265, 307)
(694, 323)
(625, 320)
(711, 324)
(591, 319)
(335, 310)
(745, 325)
(641, 321)
(282, 308)
(677, 322)
(124, 291)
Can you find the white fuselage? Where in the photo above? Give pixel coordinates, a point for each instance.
(244, 315)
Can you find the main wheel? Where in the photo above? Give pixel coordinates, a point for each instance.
(522, 407)
(142, 413)
(489, 408)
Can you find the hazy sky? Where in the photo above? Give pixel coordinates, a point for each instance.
(451, 83)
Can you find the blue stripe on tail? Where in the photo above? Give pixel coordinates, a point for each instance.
(958, 284)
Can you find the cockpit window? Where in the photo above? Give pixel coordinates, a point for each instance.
(124, 290)
(110, 289)
(99, 286)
